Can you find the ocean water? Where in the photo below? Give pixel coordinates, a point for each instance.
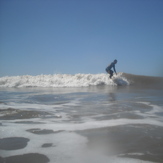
(81, 118)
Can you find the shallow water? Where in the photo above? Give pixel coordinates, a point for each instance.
(75, 125)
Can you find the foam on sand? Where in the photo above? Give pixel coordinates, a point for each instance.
(66, 146)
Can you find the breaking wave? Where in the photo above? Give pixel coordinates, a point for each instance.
(63, 80)
(78, 80)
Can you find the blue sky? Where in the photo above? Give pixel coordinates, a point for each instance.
(80, 36)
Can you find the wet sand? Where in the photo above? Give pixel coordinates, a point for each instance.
(144, 142)
(26, 158)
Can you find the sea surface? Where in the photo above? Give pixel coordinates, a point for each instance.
(81, 118)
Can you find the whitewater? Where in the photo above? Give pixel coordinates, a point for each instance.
(62, 80)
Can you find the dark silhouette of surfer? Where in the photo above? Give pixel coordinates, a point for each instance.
(109, 68)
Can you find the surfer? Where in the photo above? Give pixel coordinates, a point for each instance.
(112, 65)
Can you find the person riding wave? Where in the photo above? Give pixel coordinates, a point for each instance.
(109, 68)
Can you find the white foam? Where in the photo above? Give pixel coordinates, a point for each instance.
(92, 124)
(67, 147)
(28, 106)
(153, 112)
(62, 80)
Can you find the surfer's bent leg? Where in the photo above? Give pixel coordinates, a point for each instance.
(111, 73)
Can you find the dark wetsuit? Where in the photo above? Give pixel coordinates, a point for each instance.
(109, 71)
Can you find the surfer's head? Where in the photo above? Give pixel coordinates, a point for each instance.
(115, 61)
